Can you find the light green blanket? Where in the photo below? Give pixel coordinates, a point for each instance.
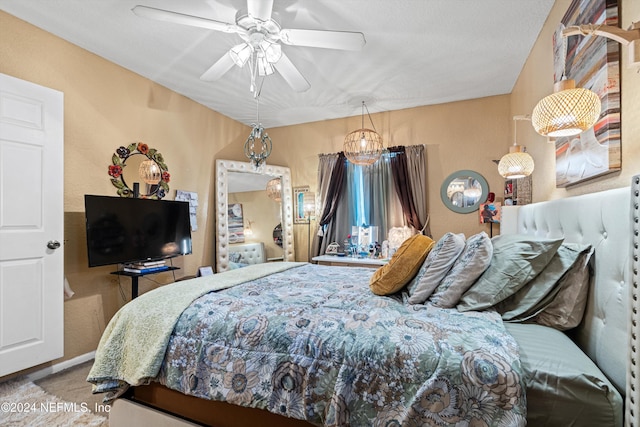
(133, 345)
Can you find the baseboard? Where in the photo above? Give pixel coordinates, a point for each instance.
(58, 367)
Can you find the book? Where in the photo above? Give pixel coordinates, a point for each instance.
(145, 264)
(146, 270)
(149, 263)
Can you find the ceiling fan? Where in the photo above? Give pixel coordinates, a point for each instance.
(262, 37)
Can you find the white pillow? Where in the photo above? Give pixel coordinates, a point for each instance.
(436, 266)
(472, 262)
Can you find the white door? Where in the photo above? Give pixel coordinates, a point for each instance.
(31, 219)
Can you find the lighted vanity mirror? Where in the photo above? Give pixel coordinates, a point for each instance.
(246, 214)
(463, 191)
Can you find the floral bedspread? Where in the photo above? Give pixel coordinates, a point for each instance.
(314, 343)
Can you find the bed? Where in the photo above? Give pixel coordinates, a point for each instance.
(371, 367)
(241, 255)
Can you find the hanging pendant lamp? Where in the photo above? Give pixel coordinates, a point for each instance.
(568, 110)
(517, 163)
(258, 145)
(363, 146)
(274, 189)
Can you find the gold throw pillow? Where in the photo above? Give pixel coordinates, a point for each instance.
(402, 266)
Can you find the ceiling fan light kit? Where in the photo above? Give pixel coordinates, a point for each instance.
(262, 38)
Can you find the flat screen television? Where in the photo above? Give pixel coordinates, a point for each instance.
(125, 230)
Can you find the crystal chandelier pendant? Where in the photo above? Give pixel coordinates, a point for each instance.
(258, 146)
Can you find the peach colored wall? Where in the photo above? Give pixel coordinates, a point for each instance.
(106, 106)
(264, 215)
(459, 135)
(536, 81)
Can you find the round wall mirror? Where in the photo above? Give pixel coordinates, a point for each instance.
(463, 191)
(139, 164)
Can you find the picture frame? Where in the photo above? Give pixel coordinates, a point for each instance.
(490, 212)
(594, 63)
(205, 271)
(236, 223)
(299, 214)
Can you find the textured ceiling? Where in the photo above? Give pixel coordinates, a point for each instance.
(417, 52)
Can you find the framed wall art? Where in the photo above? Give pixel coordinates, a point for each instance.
(300, 214)
(594, 63)
(490, 212)
(236, 223)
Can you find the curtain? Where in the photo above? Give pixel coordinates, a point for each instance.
(402, 184)
(384, 206)
(389, 193)
(330, 166)
(368, 197)
(417, 169)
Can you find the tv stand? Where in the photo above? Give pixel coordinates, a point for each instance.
(134, 277)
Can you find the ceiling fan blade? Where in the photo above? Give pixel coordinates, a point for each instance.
(343, 40)
(260, 9)
(218, 69)
(291, 75)
(181, 18)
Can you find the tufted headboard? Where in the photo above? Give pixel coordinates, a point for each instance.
(250, 253)
(606, 220)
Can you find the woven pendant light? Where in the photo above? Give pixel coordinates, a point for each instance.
(516, 164)
(566, 112)
(274, 189)
(363, 146)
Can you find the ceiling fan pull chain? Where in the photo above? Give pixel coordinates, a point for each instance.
(253, 65)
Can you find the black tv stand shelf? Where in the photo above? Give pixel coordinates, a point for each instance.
(135, 276)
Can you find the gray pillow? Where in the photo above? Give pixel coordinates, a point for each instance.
(566, 308)
(516, 260)
(471, 263)
(534, 292)
(235, 256)
(435, 267)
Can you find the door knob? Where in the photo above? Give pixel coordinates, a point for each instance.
(53, 244)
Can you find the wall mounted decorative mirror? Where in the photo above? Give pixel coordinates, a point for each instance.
(463, 191)
(139, 164)
(228, 172)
